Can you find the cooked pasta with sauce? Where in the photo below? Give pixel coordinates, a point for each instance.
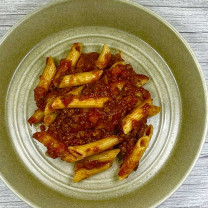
(93, 107)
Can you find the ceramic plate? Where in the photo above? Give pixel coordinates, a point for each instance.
(154, 48)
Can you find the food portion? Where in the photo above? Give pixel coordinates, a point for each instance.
(93, 108)
(94, 164)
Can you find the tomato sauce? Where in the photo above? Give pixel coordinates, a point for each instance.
(82, 126)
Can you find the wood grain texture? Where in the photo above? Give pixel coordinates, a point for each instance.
(190, 18)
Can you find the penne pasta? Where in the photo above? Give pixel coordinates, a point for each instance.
(139, 102)
(50, 114)
(37, 117)
(59, 103)
(82, 151)
(104, 57)
(120, 85)
(132, 161)
(80, 78)
(139, 95)
(58, 148)
(138, 113)
(48, 108)
(72, 57)
(142, 94)
(154, 110)
(117, 63)
(50, 118)
(149, 131)
(76, 91)
(93, 97)
(105, 156)
(64, 67)
(142, 81)
(94, 164)
(82, 174)
(74, 53)
(48, 74)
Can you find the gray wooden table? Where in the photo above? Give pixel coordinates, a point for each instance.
(190, 18)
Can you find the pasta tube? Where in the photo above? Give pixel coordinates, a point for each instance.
(139, 95)
(142, 81)
(139, 102)
(80, 78)
(149, 131)
(61, 72)
(50, 118)
(132, 161)
(50, 115)
(120, 85)
(117, 63)
(104, 57)
(72, 59)
(138, 113)
(154, 110)
(37, 117)
(59, 103)
(82, 151)
(48, 74)
(49, 112)
(58, 148)
(76, 91)
(94, 164)
(74, 53)
(82, 174)
(48, 108)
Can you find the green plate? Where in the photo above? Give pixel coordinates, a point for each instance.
(154, 48)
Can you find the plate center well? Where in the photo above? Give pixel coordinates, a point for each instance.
(58, 174)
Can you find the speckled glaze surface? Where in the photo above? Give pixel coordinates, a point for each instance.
(153, 48)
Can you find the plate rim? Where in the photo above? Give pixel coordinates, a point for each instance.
(183, 41)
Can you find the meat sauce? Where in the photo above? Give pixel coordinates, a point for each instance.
(81, 126)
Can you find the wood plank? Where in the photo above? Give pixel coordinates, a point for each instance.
(201, 51)
(182, 18)
(174, 3)
(21, 6)
(185, 19)
(24, 6)
(204, 66)
(3, 30)
(10, 19)
(195, 37)
(8, 199)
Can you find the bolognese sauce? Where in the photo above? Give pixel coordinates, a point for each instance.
(79, 126)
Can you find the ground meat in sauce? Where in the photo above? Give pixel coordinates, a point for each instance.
(82, 126)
